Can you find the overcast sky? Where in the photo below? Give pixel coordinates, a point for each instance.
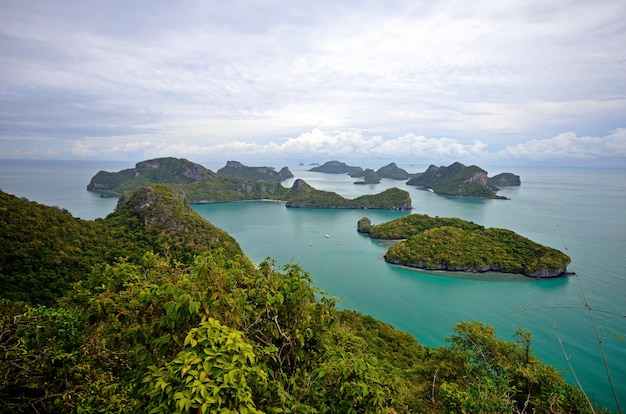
(524, 81)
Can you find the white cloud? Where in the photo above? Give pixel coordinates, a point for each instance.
(570, 146)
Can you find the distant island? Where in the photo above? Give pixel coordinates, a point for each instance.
(454, 180)
(337, 167)
(393, 172)
(237, 169)
(236, 182)
(452, 244)
(460, 180)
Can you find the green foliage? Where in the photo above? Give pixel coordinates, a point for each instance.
(215, 372)
(196, 327)
(304, 196)
(455, 244)
(413, 224)
(495, 376)
(237, 169)
(43, 250)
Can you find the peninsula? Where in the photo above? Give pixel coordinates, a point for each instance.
(453, 244)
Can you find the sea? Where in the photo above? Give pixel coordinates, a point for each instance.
(578, 322)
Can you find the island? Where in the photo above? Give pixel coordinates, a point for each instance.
(235, 182)
(460, 180)
(456, 245)
(303, 195)
(237, 169)
(338, 167)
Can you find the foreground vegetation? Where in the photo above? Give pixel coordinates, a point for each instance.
(166, 315)
(457, 245)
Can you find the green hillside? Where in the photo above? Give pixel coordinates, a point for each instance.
(159, 312)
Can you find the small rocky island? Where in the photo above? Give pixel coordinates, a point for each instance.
(452, 244)
(338, 167)
(236, 182)
(460, 180)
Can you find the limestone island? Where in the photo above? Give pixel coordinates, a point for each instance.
(460, 180)
(452, 244)
(236, 182)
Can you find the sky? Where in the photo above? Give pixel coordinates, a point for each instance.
(529, 81)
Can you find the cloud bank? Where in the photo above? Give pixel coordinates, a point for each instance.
(528, 80)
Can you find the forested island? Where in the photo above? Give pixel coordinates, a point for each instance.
(454, 180)
(453, 244)
(236, 182)
(460, 180)
(154, 309)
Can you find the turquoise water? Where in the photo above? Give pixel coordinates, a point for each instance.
(582, 211)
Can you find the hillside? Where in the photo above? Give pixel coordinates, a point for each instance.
(156, 171)
(460, 180)
(184, 323)
(453, 244)
(237, 169)
(392, 171)
(43, 250)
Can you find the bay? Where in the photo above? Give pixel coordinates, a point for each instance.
(579, 211)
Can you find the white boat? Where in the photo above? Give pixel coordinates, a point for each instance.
(327, 236)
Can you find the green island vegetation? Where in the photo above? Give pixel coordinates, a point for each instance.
(305, 196)
(453, 244)
(256, 173)
(460, 180)
(236, 182)
(153, 309)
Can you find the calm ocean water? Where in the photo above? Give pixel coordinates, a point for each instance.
(580, 211)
